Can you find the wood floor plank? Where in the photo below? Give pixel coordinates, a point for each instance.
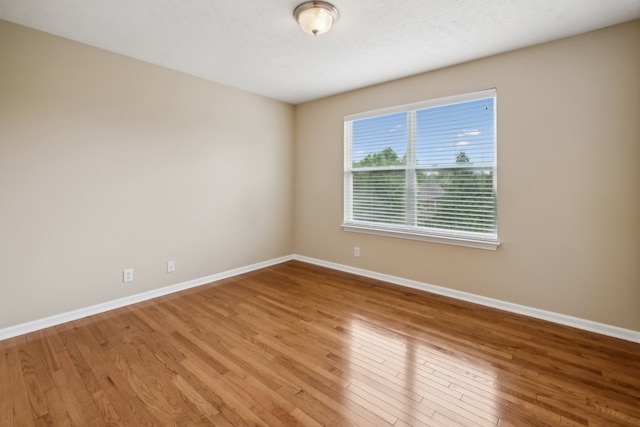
(296, 344)
(19, 411)
(108, 414)
(57, 414)
(400, 410)
(35, 384)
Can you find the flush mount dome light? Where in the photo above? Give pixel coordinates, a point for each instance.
(315, 17)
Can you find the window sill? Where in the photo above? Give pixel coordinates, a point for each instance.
(458, 241)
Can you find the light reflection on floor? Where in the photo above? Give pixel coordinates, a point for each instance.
(397, 376)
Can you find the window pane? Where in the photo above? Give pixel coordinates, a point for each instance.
(457, 200)
(449, 134)
(380, 141)
(379, 196)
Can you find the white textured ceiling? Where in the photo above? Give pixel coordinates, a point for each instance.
(257, 46)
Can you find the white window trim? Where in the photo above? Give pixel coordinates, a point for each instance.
(483, 242)
(473, 96)
(433, 238)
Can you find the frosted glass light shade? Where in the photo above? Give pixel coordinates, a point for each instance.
(315, 17)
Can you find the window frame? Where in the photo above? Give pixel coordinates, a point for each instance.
(410, 230)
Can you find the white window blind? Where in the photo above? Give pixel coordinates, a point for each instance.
(424, 170)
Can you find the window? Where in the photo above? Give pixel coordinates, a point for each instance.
(424, 171)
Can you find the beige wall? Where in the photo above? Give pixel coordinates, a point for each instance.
(568, 179)
(108, 163)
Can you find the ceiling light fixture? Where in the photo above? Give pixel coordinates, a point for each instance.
(315, 17)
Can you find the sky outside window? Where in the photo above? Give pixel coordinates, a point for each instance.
(441, 133)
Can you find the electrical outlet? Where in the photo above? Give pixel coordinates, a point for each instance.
(127, 275)
(171, 266)
(356, 251)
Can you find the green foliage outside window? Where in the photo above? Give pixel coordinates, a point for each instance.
(456, 198)
(379, 196)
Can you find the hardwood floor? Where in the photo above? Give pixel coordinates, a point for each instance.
(296, 344)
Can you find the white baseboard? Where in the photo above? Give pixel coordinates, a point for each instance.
(35, 325)
(587, 325)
